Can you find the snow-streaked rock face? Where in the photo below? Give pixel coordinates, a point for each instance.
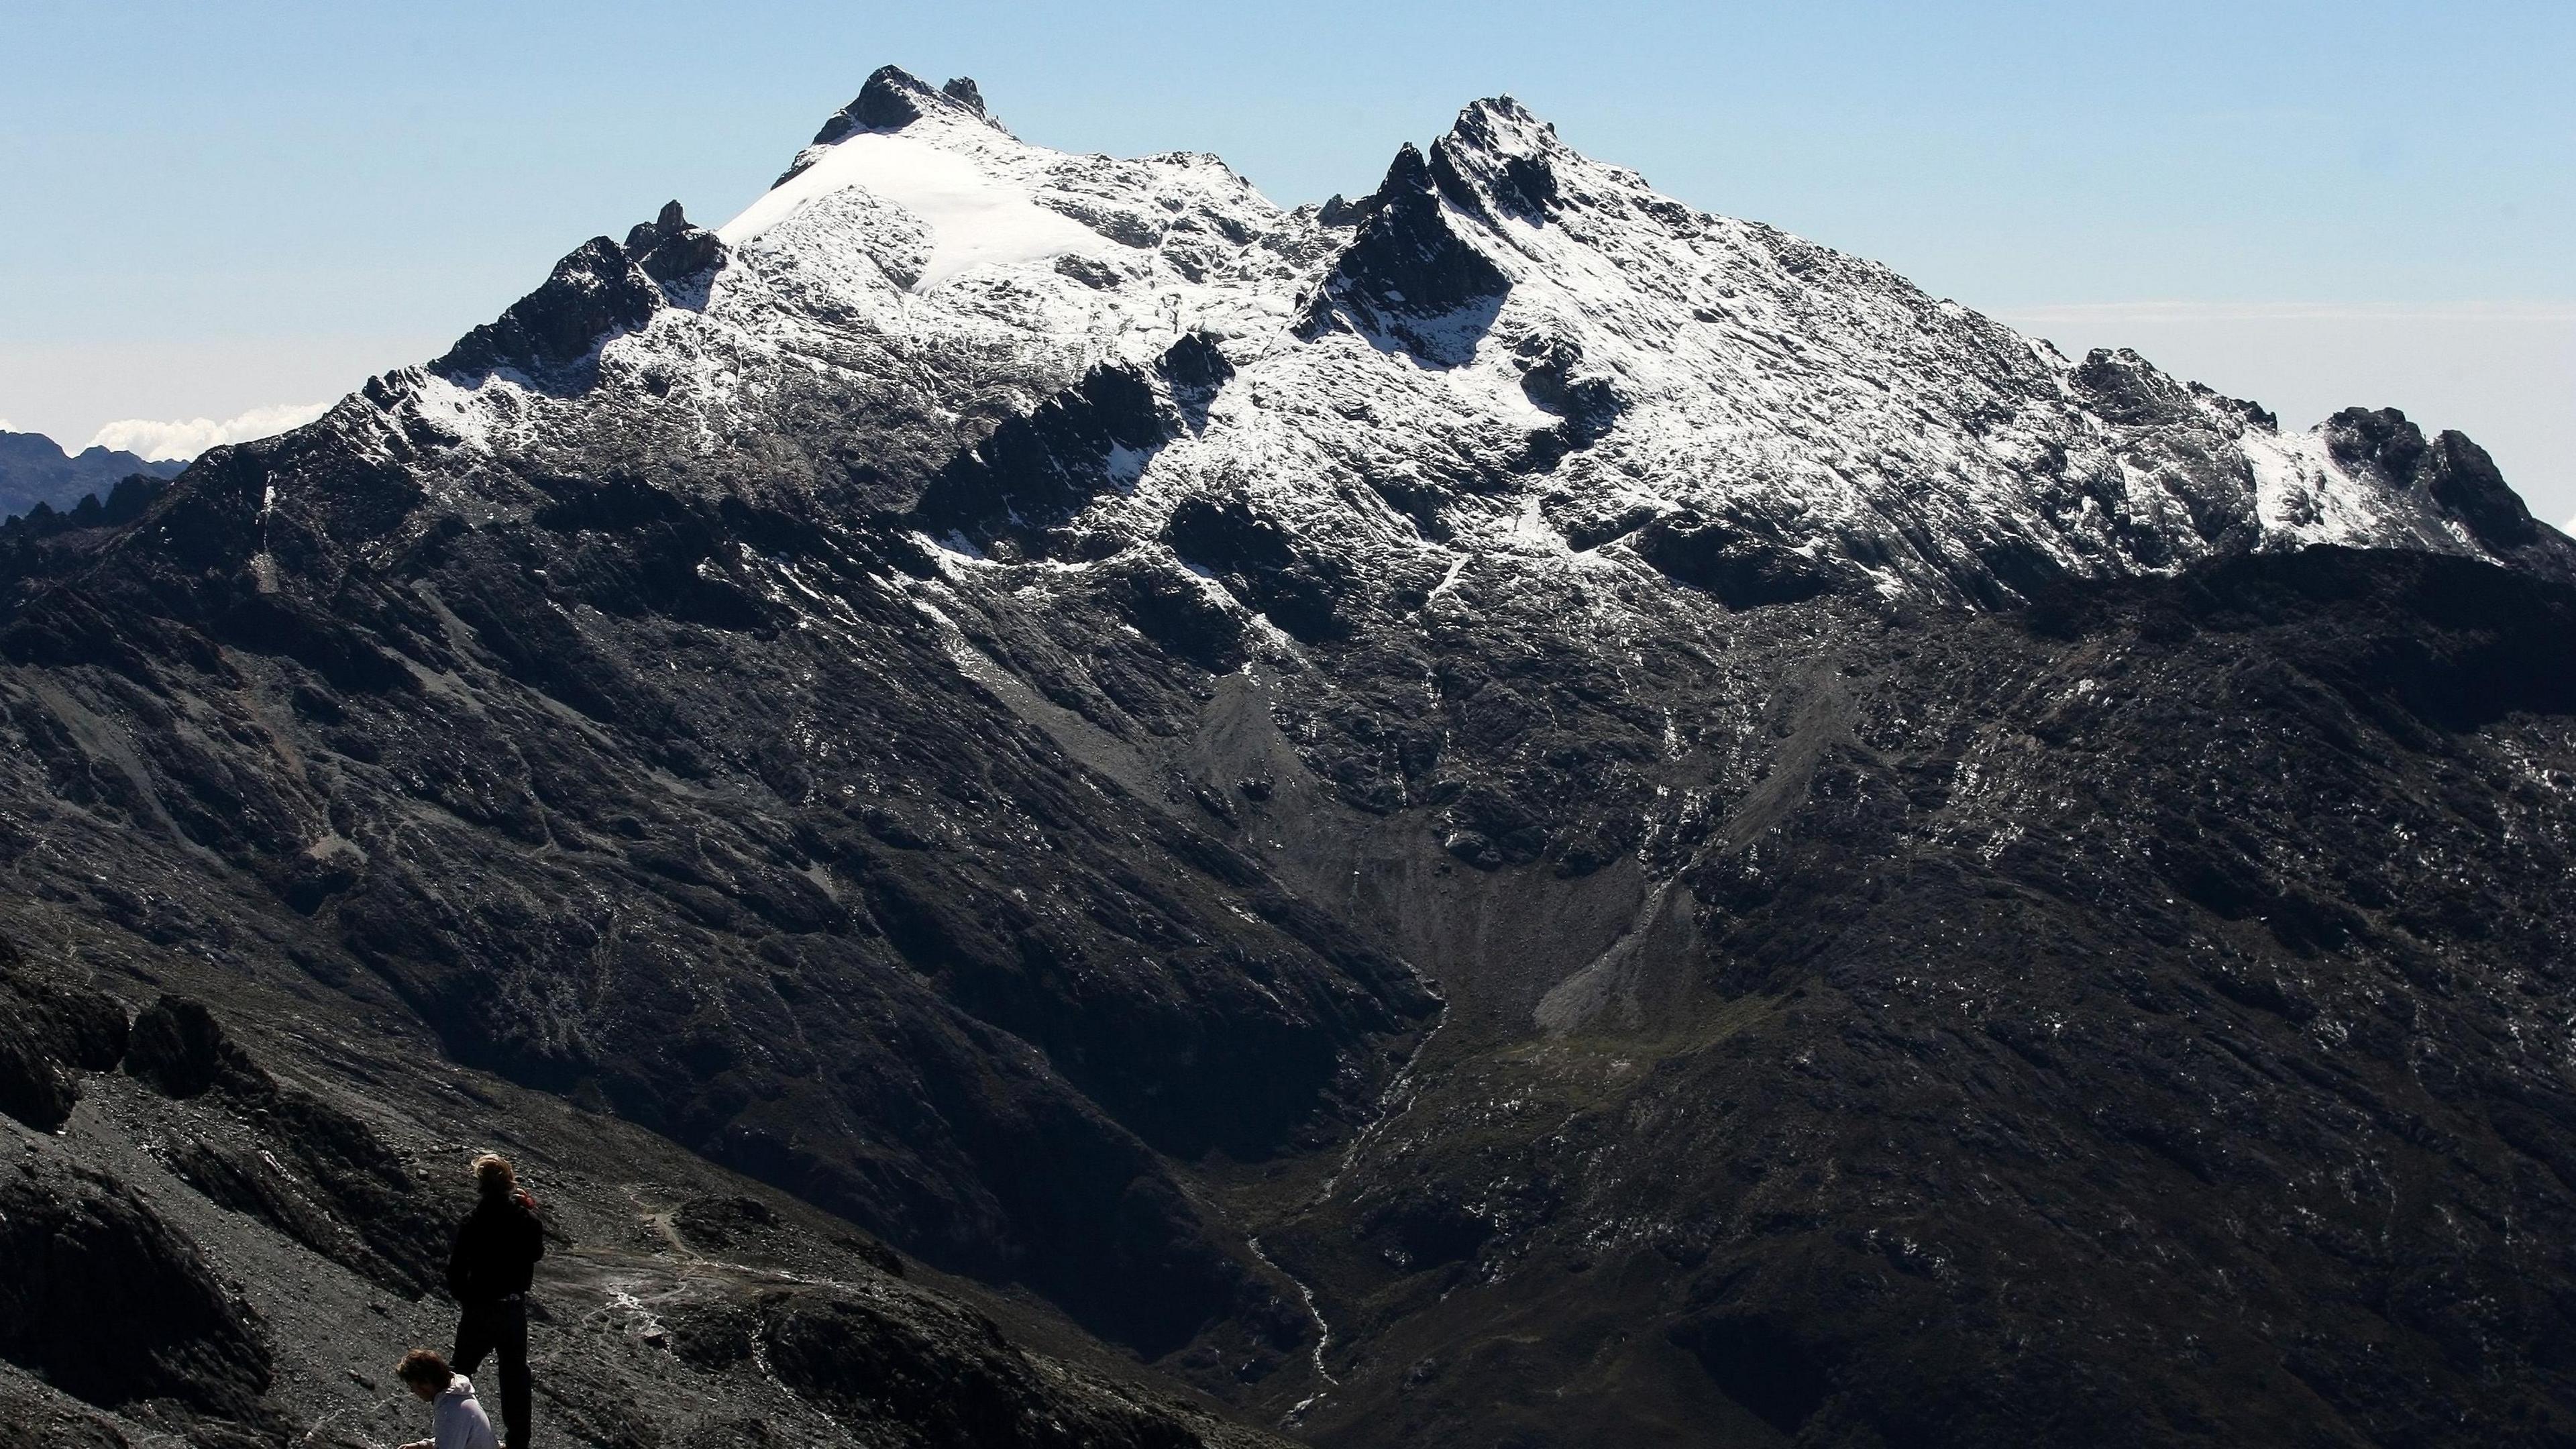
(1514, 401)
(1510, 355)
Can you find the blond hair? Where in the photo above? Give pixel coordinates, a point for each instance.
(494, 1176)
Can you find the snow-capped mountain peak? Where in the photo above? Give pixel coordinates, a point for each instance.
(973, 213)
(1508, 350)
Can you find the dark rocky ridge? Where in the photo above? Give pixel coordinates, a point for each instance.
(1407, 267)
(2016, 1002)
(2450, 470)
(893, 99)
(599, 291)
(1019, 486)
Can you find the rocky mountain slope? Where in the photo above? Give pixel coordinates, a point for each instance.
(34, 469)
(1501, 813)
(199, 1249)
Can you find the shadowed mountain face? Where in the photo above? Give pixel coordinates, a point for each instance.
(1507, 813)
(34, 470)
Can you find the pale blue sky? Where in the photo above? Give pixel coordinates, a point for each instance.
(209, 207)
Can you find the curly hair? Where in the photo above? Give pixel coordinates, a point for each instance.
(424, 1366)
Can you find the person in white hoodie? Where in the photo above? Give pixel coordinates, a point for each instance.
(456, 1421)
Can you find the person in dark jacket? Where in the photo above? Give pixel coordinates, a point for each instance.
(496, 1254)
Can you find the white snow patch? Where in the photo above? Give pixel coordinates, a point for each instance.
(1493, 389)
(953, 544)
(2301, 496)
(1448, 581)
(460, 411)
(1530, 529)
(976, 218)
(1126, 465)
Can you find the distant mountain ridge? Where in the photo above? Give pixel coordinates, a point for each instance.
(35, 469)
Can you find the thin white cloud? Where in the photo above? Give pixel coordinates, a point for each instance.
(146, 438)
(2079, 312)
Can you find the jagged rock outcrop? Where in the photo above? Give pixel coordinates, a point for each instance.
(670, 250)
(287, 1156)
(1408, 276)
(595, 291)
(1038, 471)
(52, 1030)
(2453, 474)
(598, 292)
(100, 1295)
